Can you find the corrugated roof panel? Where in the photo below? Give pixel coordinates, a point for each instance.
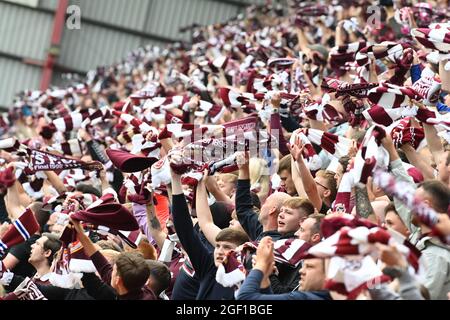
(93, 46)
(48, 4)
(27, 33)
(166, 17)
(16, 77)
(128, 14)
(24, 32)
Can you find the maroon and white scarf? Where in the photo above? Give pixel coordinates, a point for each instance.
(336, 145)
(312, 10)
(355, 109)
(312, 159)
(70, 148)
(385, 116)
(352, 268)
(20, 230)
(323, 111)
(403, 133)
(273, 82)
(436, 37)
(213, 66)
(370, 155)
(133, 122)
(391, 50)
(429, 88)
(391, 96)
(44, 161)
(290, 251)
(77, 120)
(26, 291)
(342, 88)
(406, 194)
(12, 145)
(440, 122)
(340, 55)
(126, 136)
(231, 272)
(233, 98)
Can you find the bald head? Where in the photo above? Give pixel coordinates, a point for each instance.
(277, 199)
(273, 204)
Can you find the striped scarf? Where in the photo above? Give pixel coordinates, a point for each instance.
(370, 155)
(20, 230)
(335, 145)
(406, 194)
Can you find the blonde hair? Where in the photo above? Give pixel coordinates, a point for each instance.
(110, 255)
(300, 203)
(228, 177)
(259, 173)
(331, 182)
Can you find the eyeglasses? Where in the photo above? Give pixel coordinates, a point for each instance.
(322, 185)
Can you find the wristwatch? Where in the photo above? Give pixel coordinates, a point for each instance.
(394, 272)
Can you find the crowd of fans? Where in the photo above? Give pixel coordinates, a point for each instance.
(293, 152)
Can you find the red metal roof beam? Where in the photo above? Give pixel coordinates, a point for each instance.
(54, 50)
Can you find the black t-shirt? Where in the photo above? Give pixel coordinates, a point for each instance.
(3, 212)
(185, 287)
(324, 208)
(22, 253)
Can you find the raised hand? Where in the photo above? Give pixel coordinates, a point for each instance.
(296, 149)
(242, 159)
(391, 256)
(264, 256)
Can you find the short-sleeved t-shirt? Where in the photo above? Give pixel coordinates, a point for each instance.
(324, 208)
(22, 253)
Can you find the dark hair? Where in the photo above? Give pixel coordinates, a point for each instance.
(53, 244)
(221, 214)
(41, 215)
(133, 270)
(318, 217)
(161, 273)
(344, 161)
(87, 188)
(285, 164)
(231, 235)
(439, 193)
(390, 207)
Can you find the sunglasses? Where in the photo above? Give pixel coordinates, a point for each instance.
(322, 185)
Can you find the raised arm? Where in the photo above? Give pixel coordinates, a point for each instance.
(101, 264)
(244, 206)
(154, 225)
(297, 179)
(205, 220)
(433, 141)
(418, 162)
(16, 199)
(308, 181)
(399, 172)
(190, 240)
(363, 205)
(56, 182)
(214, 189)
(149, 223)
